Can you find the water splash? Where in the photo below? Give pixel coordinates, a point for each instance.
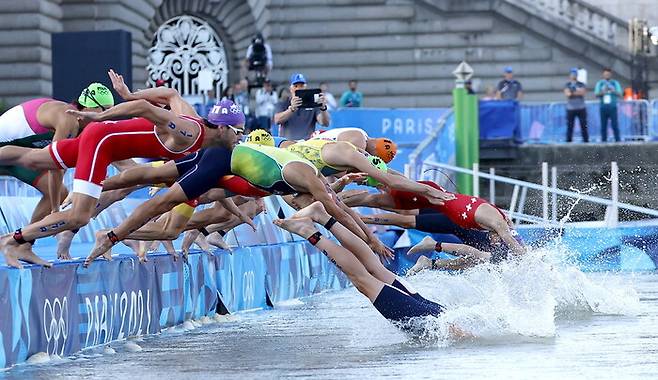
(518, 300)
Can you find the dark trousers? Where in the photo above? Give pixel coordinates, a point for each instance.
(582, 118)
(264, 122)
(609, 113)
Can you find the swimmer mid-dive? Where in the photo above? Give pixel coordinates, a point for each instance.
(464, 210)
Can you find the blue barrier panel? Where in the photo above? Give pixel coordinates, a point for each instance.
(67, 308)
(499, 119)
(402, 125)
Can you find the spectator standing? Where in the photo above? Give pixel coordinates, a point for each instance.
(468, 85)
(242, 98)
(259, 56)
(352, 97)
(575, 92)
(489, 93)
(331, 101)
(266, 101)
(509, 88)
(608, 90)
(296, 123)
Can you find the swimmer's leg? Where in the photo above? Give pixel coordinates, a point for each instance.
(392, 303)
(391, 219)
(358, 248)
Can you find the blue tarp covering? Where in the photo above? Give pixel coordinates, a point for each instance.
(499, 120)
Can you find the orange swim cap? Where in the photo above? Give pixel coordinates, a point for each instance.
(385, 149)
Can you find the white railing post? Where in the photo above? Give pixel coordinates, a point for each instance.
(614, 207)
(476, 179)
(554, 194)
(492, 186)
(544, 191)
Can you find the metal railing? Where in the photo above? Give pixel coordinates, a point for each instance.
(427, 146)
(580, 15)
(546, 123)
(549, 194)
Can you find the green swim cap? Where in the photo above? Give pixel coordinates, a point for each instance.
(379, 164)
(96, 95)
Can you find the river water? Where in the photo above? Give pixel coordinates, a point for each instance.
(533, 319)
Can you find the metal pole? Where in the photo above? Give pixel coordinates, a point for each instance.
(476, 179)
(492, 186)
(554, 194)
(544, 191)
(614, 179)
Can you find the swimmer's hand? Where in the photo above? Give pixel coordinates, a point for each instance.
(82, 115)
(438, 197)
(381, 249)
(354, 178)
(154, 190)
(119, 84)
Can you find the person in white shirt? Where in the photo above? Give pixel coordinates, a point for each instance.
(266, 99)
(332, 104)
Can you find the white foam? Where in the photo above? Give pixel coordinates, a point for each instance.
(132, 347)
(38, 358)
(109, 350)
(515, 299)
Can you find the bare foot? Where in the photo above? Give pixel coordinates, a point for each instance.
(14, 252)
(103, 245)
(426, 245)
(64, 240)
(315, 211)
(217, 241)
(202, 243)
(133, 244)
(422, 263)
(301, 226)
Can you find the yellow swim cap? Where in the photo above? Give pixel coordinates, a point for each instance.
(260, 137)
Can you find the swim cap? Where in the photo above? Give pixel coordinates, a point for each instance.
(385, 149)
(379, 164)
(96, 95)
(260, 137)
(226, 112)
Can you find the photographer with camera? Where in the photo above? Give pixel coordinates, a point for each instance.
(608, 90)
(258, 58)
(297, 117)
(575, 92)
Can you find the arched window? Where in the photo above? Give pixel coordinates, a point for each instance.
(182, 47)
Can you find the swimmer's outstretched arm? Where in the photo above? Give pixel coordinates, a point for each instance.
(146, 174)
(157, 95)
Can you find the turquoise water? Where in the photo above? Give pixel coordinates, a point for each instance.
(530, 319)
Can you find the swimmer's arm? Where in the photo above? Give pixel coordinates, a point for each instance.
(134, 108)
(338, 185)
(212, 195)
(318, 190)
(354, 159)
(230, 206)
(124, 164)
(158, 95)
(66, 126)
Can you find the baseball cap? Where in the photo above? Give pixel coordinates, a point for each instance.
(96, 95)
(297, 78)
(385, 149)
(379, 164)
(574, 70)
(508, 69)
(225, 112)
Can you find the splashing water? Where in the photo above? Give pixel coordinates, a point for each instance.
(518, 300)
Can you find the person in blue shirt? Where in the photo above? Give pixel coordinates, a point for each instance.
(608, 90)
(351, 98)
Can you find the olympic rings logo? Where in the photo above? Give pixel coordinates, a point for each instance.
(249, 288)
(55, 324)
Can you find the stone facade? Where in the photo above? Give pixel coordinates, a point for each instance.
(402, 51)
